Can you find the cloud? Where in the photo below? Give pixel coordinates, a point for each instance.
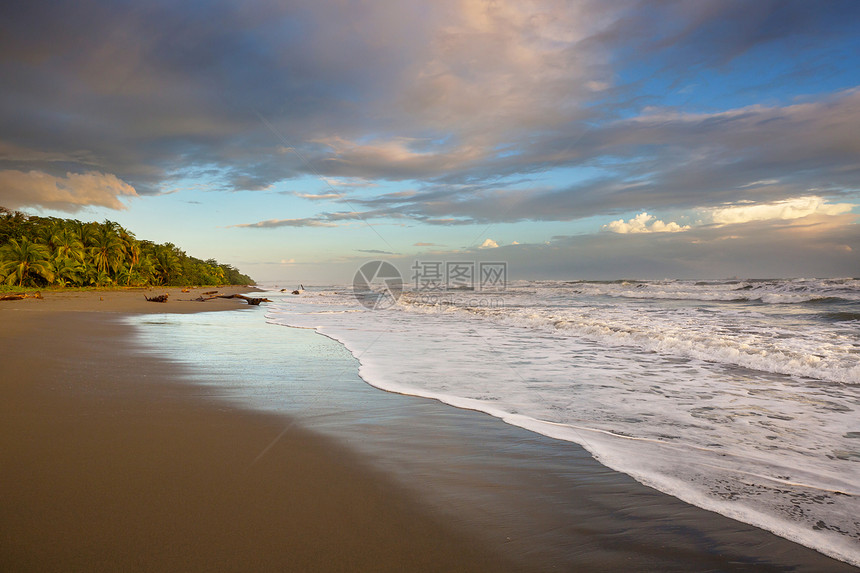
(655, 30)
(276, 91)
(667, 159)
(427, 245)
(274, 223)
(375, 252)
(746, 212)
(472, 104)
(644, 223)
(70, 193)
(816, 245)
(320, 197)
(813, 246)
(788, 209)
(353, 182)
(489, 244)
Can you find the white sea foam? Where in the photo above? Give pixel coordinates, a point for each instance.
(744, 408)
(742, 339)
(770, 292)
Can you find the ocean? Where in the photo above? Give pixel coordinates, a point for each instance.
(740, 397)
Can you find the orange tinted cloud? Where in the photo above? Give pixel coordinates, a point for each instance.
(69, 193)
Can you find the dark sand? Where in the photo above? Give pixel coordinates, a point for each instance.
(108, 464)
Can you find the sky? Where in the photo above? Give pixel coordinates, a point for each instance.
(594, 139)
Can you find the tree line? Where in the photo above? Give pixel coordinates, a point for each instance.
(49, 251)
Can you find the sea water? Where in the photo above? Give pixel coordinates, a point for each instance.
(740, 397)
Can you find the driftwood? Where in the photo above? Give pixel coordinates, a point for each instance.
(210, 292)
(20, 296)
(159, 298)
(251, 300)
(204, 298)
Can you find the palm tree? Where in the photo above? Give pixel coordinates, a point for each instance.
(69, 271)
(67, 245)
(67, 251)
(106, 249)
(131, 247)
(167, 264)
(19, 258)
(145, 273)
(84, 231)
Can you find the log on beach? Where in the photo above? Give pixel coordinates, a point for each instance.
(20, 296)
(251, 300)
(159, 298)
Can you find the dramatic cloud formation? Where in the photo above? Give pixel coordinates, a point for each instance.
(671, 160)
(439, 115)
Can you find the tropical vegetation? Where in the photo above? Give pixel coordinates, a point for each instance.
(49, 251)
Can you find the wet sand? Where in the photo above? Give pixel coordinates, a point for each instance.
(108, 462)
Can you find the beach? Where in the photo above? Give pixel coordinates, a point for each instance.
(146, 436)
(108, 462)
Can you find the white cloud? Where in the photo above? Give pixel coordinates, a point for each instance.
(489, 244)
(319, 197)
(741, 212)
(787, 209)
(69, 193)
(644, 223)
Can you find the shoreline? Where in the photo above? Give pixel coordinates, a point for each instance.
(109, 460)
(131, 300)
(119, 450)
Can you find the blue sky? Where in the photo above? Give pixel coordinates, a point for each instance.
(591, 139)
